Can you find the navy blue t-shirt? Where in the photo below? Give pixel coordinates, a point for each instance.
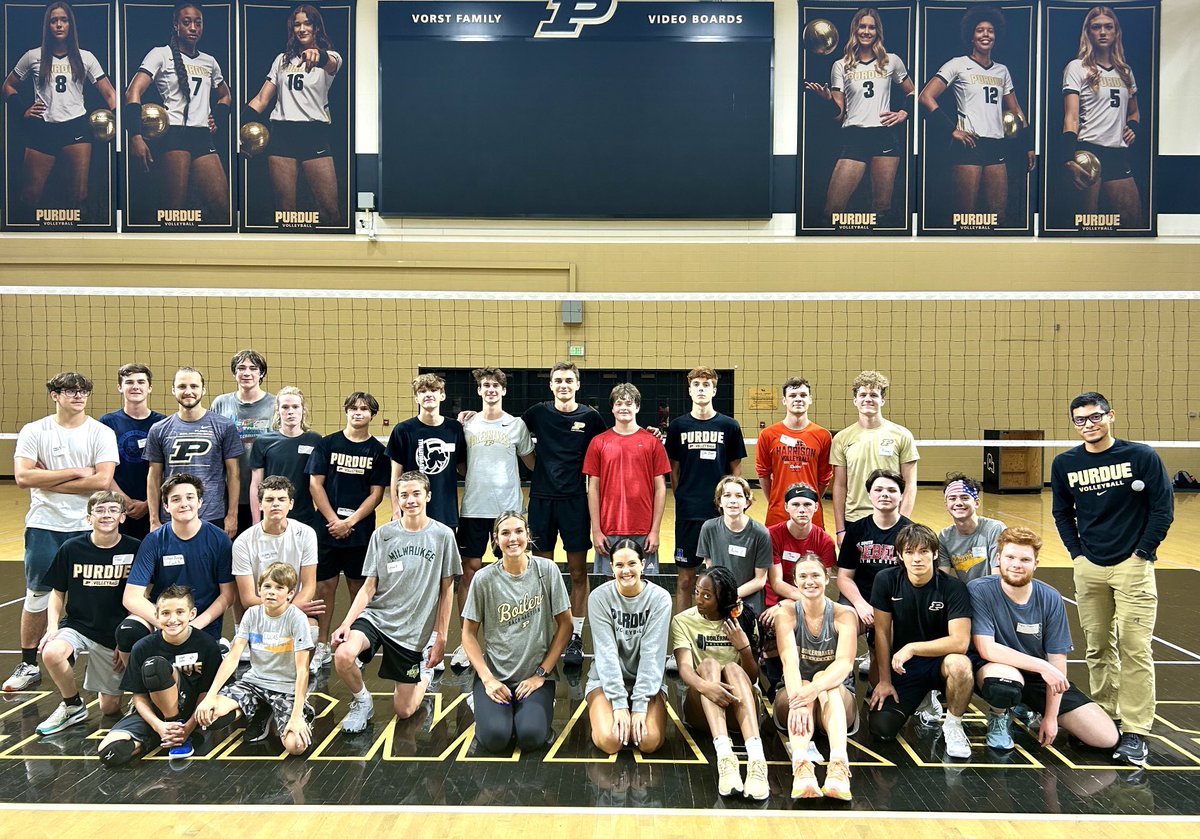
(133, 467)
(203, 563)
(705, 450)
(351, 469)
(1037, 628)
(288, 457)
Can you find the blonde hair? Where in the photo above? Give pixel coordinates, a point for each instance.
(881, 57)
(872, 380)
(1116, 52)
(277, 420)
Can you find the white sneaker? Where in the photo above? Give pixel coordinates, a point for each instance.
(957, 744)
(25, 676)
(756, 786)
(63, 717)
(929, 712)
(672, 664)
(322, 657)
(459, 660)
(729, 775)
(440, 666)
(360, 713)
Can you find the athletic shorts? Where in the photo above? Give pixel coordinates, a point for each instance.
(687, 540)
(474, 535)
(51, 137)
(1114, 163)
(862, 143)
(253, 699)
(400, 664)
(772, 669)
(299, 140)
(603, 562)
(567, 518)
(333, 560)
(140, 730)
(41, 546)
(921, 675)
(196, 141)
(987, 152)
(1033, 694)
(100, 677)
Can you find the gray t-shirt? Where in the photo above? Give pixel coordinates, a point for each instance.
(629, 637)
(273, 646)
(970, 557)
(493, 484)
(1039, 628)
(253, 420)
(742, 553)
(199, 448)
(408, 569)
(516, 623)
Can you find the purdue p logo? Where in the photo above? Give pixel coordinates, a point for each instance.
(568, 17)
(187, 449)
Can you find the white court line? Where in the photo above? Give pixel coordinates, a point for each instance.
(1175, 647)
(11, 602)
(842, 815)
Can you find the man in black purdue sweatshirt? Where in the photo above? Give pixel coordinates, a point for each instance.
(1113, 504)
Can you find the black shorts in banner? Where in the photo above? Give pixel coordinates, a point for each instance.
(59, 160)
(657, 109)
(298, 62)
(856, 116)
(1099, 123)
(176, 175)
(976, 83)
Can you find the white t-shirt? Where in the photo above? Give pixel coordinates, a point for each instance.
(255, 549)
(1103, 111)
(60, 93)
(301, 95)
(203, 76)
(978, 93)
(46, 442)
(493, 484)
(867, 89)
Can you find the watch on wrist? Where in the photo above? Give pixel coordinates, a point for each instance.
(541, 671)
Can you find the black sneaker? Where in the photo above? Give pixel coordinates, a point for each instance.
(573, 657)
(1132, 749)
(258, 728)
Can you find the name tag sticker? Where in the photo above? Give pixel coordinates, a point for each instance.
(737, 550)
(979, 551)
(123, 559)
(172, 559)
(345, 512)
(887, 451)
(59, 451)
(395, 567)
(791, 556)
(1029, 628)
(304, 449)
(449, 447)
(786, 440)
(186, 659)
(142, 443)
(708, 455)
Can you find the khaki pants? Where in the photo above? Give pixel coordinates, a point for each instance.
(1118, 605)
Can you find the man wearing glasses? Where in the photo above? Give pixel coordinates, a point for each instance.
(1112, 505)
(61, 459)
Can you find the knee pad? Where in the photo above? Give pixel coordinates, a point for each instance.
(1001, 693)
(129, 632)
(157, 674)
(36, 601)
(886, 724)
(118, 752)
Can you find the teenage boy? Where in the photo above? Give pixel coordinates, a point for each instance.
(870, 443)
(626, 468)
(434, 445)
(251, 408)
(703, 446)
(403, 606)
(794, 538)
(277, 538)
(169, 673)
(131, 424)
(271, 693)
(967, 548)
(199, 442)
(86, 580)
(563, 429)
(793, 450)
(61, 459)
(284, 451)
(348, 472)
(736, 541)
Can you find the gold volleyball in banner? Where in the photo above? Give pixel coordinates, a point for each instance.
(154, 120)
(1012, 125)
(1090, 164)
(255, 137)
(103, 124)
(820, 36)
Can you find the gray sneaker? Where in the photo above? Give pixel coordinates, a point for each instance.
(360, 713)
(998, 734)
(929, 712)
(322, 657)
(25, 676)
(63, 717)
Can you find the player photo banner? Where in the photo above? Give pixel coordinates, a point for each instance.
(177, 117)
(295, 106)
(858, 102)
(1099, 125)
(59, 166)
(976, 98)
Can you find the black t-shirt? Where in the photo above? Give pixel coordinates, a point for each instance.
(436, 452)
(920, 614)
(288, 457)
(704, 450)
(867, 550)
(562, 443)
(195, 661)
(93, 580)
(351, 470)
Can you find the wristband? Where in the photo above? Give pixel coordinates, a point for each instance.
(248, 114)
(220, 112)
(322, 58)
(1133, 125)
(1071, 140)
(132, 117)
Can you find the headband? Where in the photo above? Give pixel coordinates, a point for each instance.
(958, 488)
(801, 492)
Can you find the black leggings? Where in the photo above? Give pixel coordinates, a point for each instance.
(528, 719)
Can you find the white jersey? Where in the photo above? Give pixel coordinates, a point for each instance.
(203, 76)
(867, 89)
(301, 95)
(60, 93)
(979, 94)
(1103, 111)
(48, 444)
